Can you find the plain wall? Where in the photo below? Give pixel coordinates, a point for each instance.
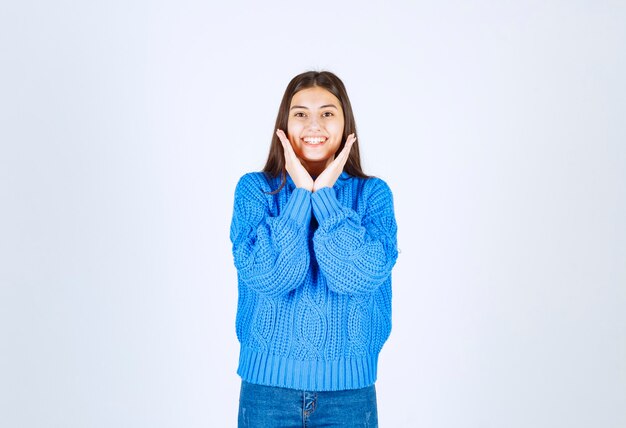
(499, 126)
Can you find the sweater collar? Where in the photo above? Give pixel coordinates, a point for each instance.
(343, 178)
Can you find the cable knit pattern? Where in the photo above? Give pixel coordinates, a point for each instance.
(314, 273)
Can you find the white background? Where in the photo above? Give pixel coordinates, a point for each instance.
(499, 125)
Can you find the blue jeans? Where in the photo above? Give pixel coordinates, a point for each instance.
(272, 407)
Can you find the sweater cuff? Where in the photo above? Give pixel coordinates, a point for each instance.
(298, 207)
(325, 203)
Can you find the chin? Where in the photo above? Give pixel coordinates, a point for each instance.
(316, 161)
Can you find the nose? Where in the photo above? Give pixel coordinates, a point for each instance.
(313, 123)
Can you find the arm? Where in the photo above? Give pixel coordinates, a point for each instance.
(355, 253)
(270, 253)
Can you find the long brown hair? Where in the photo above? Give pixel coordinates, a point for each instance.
(275, 164)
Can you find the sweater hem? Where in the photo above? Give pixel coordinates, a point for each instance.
(264, 368)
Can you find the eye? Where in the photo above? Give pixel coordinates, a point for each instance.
(327, 114)
(299, 114)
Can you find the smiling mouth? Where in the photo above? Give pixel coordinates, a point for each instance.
(314, 141)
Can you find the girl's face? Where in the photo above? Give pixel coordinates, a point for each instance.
(315, 127)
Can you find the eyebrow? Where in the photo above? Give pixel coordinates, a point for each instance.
(324, 106)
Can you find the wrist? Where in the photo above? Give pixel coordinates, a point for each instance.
(321, 183)
(302, 182)
(317, 187)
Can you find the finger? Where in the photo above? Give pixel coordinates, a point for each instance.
(345, 152)
(351, 140)
(286, 143)
(281, 136)
(346, 146)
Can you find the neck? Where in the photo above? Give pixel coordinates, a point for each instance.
(316, 168)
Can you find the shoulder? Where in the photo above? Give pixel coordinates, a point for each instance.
(373, 187)
(254, 182)
(378, 184)
(376, 195)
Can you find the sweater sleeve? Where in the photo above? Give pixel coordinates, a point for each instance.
(270, 253)
(355, 253)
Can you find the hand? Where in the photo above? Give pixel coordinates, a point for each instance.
(332, 172)
(298, 173)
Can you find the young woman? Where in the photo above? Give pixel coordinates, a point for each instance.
(314, 242)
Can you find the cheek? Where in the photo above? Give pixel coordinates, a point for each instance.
(338, 131)
(293, 131)
(337, 127)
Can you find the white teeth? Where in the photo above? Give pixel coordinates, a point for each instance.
(314, 140)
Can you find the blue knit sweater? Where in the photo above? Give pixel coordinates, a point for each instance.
(314, 277)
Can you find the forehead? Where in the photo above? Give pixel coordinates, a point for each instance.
(315, 97)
